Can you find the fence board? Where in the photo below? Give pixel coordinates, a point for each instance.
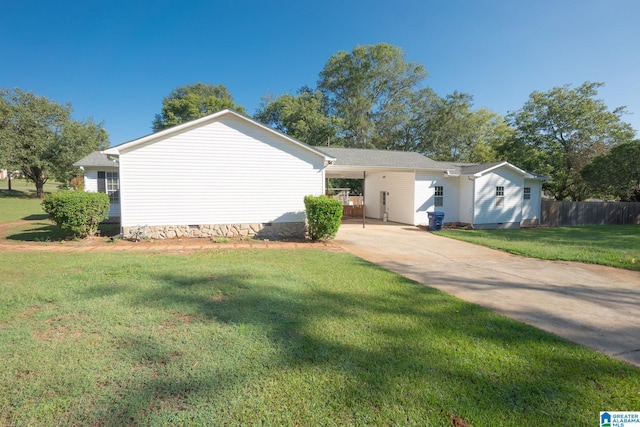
(561, 213)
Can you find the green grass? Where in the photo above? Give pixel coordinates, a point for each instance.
(615, 246)
(21, 202)
(299, 337)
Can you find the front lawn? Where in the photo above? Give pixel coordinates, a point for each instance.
(615, 245)
(299, 337)
(17, 204)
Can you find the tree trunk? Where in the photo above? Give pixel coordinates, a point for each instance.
(9, 179)
(36, 175)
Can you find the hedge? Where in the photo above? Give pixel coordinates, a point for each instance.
(324, 215)
(77, 211)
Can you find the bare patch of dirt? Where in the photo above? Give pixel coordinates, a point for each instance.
(457, 421)
(173, 246)
(56, 333)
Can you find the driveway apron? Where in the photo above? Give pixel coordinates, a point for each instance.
(591, 305)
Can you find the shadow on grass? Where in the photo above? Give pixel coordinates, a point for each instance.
(407, 343)
(39, 232)
(36, 217)
(47, 232)
(18, 194)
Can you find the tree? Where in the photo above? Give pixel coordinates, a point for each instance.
(616, 174)
(38, 137)
(191, 102)
(447, 128)
(303, 117)
(365, 87)
(560, 131)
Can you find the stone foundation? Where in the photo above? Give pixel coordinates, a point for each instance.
(271, 231)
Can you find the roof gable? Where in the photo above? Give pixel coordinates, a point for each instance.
(97, 159)
(132, 145)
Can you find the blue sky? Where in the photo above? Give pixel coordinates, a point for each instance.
(115, 60)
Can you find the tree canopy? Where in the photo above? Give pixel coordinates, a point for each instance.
(39, 137)
(616, 174)
(371, 98)
(364, 87)
(560, 131)
(191, 102)
(302, 116)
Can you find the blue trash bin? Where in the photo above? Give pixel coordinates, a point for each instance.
(435, 220)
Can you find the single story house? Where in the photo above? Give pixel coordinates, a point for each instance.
(228, 175)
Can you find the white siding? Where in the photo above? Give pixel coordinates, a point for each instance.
(424, 200)
(91, 186)
(400, 188)
(531, 207)
(224, 172)
(486, 211)
(466, 200)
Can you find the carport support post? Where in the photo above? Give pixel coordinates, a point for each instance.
(364, 178)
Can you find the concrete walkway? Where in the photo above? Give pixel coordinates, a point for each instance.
(592, 305)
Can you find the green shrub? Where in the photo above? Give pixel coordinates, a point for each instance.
(77, 211)
(323, 216)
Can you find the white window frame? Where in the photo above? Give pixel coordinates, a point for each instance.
(112, 186)
(526, 194)
(438, 196)
(499, 195)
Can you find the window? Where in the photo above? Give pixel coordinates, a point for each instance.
(439, 196)
(499, 196)
(527, 193)
(109, 183)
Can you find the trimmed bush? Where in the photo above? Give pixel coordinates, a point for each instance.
(77, 211)
(323, 216)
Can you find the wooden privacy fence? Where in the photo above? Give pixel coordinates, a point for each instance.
(555, 214)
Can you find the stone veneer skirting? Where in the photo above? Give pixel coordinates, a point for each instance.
(272, 230)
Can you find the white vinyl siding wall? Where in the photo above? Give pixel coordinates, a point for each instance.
(531, 207)
(424, 201)
(91, 185)
(486, 211)
(224, 172)
(423, 197)
(400, 186)
(466, 200)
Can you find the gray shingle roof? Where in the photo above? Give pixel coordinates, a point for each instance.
(380, 158)
(96, 159)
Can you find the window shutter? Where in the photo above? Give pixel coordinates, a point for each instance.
(102, 186)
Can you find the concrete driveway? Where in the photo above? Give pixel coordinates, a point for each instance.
(592, 305)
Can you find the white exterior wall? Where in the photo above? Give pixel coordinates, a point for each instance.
(224, 172)
(486, 211)
(451, 206)
(400, 188)
(466, 187)
(424, 200)
(531, 208)
(91, 186)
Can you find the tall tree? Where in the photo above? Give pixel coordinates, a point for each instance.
(616, 174)
(191, 102)
(560, 131)
(447, 128)
(303, 116)
(364, 85)
(39, 137)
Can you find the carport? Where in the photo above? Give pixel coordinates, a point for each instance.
(389, 179)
